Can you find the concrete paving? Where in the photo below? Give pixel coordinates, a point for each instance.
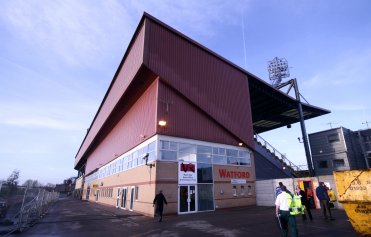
(69, 217)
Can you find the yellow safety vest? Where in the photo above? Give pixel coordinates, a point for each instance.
(295, 204)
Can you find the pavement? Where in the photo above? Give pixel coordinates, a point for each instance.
(70, 217)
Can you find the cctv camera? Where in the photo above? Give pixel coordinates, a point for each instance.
(145, 156)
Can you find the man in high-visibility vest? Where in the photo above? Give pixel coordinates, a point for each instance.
(285, 213)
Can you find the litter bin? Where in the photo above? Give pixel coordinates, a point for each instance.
(354, 192)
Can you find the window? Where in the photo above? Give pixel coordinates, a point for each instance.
(136, 193)
(333, 138)
(242, 190)
(168, 155)
(232, 156)
(205, 197)
(234, 191)
(168, 150)
(338, 163)
(204, 173)
(322, 164)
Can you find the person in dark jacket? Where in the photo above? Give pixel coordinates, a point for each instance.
(321, 192)
(159, 201)
(305, 202)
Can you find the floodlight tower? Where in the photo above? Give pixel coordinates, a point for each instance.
(278, 69)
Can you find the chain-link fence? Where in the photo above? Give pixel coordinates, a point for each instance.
(20, 207)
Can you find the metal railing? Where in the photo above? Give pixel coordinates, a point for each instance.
(23, 207)
(276, 153)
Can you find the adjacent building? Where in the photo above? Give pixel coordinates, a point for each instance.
(178, 118)
(340, 149)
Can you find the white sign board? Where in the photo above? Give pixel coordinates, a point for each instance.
(187, 173)
(238, 181)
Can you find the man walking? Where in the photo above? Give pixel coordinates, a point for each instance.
(324, 199)
(305, 202)
(159, 201)
(283, 203)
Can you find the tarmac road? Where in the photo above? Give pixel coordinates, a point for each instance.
(69, 217)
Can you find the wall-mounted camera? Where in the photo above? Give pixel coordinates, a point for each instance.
(145, 157)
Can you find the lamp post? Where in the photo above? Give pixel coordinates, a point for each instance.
(278, 69)
(303, 130)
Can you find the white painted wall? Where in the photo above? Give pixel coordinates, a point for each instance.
(265, 189)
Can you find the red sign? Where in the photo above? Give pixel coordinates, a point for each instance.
(187, 167)
(224, 173)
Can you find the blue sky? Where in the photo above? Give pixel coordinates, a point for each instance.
(57, 59)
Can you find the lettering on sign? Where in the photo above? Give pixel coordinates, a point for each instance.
(224, 173)
(187, 173)
(187, 167)
(357, 185)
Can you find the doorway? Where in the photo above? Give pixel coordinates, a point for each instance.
(118, 198)
(187, 199)
(131, 198)
(308, 187)
(97, 195)
(123, 198)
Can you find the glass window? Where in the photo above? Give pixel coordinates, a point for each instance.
(204, 173)
(130, 163)
(187, 157)
(204, 149)
(333, 138)
(242, 190)
(245, 161)
(164, 145)
(205, 197)
(243, 153)
(232, 152)
(233, 160)
(152, 146)
(173, 146)
(136, 192)
(322, 164)
(187, 148)
(221, 160)
(151, 156)
(234, 191)
(218, 151)
(135, 158)
(167, 155)
(204, 158)
(338, 163)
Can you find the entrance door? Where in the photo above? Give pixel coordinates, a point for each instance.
(308, 187)
(131, 198)
(97, 195)
(118, 198)
(187, 199)
(123, 197)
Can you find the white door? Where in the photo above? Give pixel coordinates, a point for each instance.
(187, 199)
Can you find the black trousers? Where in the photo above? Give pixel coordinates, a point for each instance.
(287, 222)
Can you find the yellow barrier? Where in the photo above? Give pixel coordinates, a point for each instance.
(354, 192)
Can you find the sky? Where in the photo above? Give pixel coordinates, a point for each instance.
(57, 59)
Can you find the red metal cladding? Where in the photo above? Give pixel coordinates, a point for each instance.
(137, 124)
(217, 88)
(126, 74)
(187, 120)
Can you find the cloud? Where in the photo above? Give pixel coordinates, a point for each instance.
(40, 122)
(77, 32)
(350, 69)
(60, 116)
(193, 17)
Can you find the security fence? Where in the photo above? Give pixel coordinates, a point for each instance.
(21, 207)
